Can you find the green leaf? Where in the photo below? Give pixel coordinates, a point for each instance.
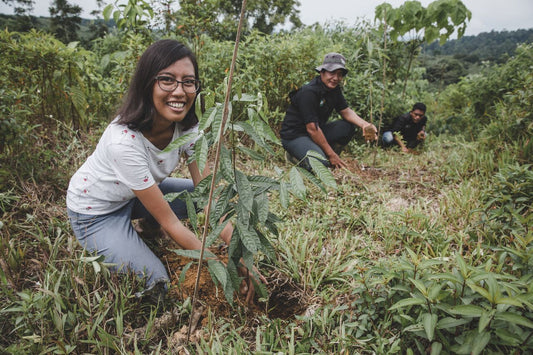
(434, 291)
(283, 195)
(436, 348)
(407, 302)
(107, 12)
(226, 165)
(467, 310)
(261, 204)
(508, 337)
(216, 127)
(252, 153)
(514, 318)
(297, 183)
(246, 196)
(215, 233)
(430, 322)
(178, 142)
(191, 211)
(420, 286)
(509, 301)
(249, 238)
(463, 268)
(323, 173)
(183, 273)
(208, 117)
(219, 271)
(425, 264)
(312, 178)
(194, 254)
(480, 342)
(483, 292)
(201, 150)
(245, 98)
(485, 319)
(449, 322)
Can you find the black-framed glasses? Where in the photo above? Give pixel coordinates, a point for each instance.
(169, 84)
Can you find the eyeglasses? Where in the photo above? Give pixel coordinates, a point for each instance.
(169, 84)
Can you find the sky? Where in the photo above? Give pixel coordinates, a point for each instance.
(487, 15)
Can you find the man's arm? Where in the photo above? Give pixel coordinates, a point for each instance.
(318, 137)
(370, 131)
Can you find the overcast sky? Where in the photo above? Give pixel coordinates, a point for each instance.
(487, 15)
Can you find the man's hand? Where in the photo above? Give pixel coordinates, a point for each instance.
(336, 161)
(370, 132)
(421, 136)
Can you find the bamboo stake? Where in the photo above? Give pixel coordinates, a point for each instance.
(217, 160)
(384, 80)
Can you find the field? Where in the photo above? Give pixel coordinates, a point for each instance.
(429, 252)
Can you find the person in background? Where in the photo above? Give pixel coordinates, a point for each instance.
(127, 175)
(408, 130)
(306, 127)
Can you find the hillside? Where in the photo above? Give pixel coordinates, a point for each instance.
(493, 46)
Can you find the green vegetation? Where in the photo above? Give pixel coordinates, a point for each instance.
(403, 253)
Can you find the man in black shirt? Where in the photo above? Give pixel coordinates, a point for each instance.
(409, 129)
(306, 125)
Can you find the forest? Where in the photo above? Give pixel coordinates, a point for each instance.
(426, 252)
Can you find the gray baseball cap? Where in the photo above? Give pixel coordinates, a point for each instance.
(332, 62)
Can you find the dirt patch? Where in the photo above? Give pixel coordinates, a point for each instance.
(285, 298)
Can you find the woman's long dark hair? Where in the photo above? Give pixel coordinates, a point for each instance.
(137, 111)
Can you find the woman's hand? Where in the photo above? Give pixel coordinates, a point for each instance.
(247, 285)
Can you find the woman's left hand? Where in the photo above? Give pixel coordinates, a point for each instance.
(247, 285)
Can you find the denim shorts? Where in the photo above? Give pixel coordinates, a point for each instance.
(114, 236)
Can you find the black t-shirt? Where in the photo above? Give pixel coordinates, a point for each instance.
(406, 126)
(313, 102)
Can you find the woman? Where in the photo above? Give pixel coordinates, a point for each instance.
(127, 175)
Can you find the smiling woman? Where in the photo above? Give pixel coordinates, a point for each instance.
(127, 175)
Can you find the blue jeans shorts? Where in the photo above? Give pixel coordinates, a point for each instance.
(114, 236)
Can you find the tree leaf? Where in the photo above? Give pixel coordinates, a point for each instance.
(323, 173)
(261, 204)
(255, 155)
(218, 270)
(226, 165)
(283, 195)
(178, 142)
(449, 322)
(249, 238)
(407, 302)
(420, 286)
(297, 183)
(430, 322)
(467, 310)
(480, 342)
(201, 150)
(485, 319)
(194, 254)
(514, 318)
(244, 190)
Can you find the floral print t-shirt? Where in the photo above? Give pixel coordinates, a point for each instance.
(123, 161)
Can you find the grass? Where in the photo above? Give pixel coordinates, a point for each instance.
(344, 258)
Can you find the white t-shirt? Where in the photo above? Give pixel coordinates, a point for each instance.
(124, 160)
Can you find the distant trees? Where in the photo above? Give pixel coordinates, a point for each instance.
(65, 20)
(494, 46)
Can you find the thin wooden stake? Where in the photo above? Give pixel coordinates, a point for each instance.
(217, 161)
(384, 82)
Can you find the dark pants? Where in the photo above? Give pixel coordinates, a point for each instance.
(338, 134)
